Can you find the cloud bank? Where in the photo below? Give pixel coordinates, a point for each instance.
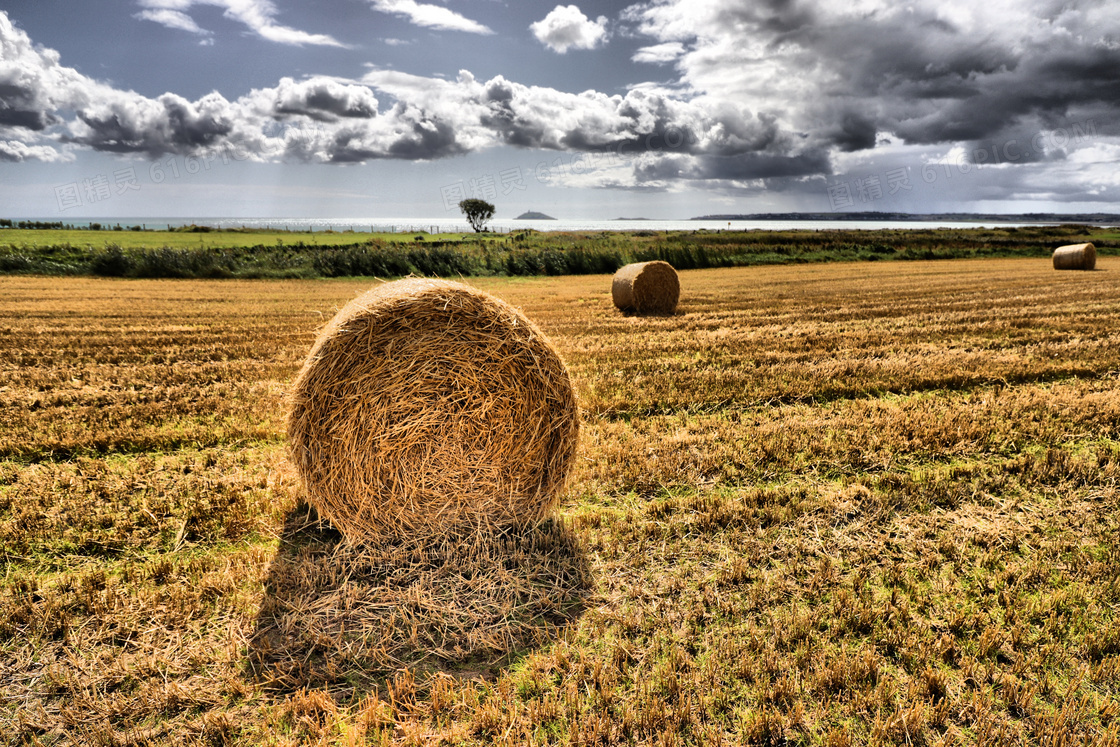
(769, 94)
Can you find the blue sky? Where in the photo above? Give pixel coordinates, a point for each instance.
(664, 109)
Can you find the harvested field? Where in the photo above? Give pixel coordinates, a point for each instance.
(823, 504)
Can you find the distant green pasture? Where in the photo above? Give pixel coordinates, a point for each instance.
(216, 239)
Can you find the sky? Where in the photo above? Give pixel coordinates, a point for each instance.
(664, 109)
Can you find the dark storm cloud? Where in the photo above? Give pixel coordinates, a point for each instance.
(927, 72)
(28, 118)
(932, 83)
(761, 166)
(33, 88)
(851, 131)
(913, 75)
(420, 139)
(1033, 88)
(746, 167)
(429, 140)
(777, 16)
(1035, 140)
(20, 107)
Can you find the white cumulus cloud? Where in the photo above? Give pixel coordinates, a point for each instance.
(566, 27)
(15, 151)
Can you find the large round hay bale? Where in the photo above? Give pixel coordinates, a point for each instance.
(429, 407)
(1075, 257)
(646, 288)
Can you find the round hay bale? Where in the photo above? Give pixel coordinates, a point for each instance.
(646, 288)
(1075, 257)
(429, 407)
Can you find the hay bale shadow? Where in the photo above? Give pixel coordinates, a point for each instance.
(348, 618)
(628, 314)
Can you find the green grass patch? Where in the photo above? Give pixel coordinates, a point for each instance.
(196, 252)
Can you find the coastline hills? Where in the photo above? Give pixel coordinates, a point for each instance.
(1083, 218)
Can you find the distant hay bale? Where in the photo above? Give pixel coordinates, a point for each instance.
(646, 288)
(1075, 257)
(428, 407)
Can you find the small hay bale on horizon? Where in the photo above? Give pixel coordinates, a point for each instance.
(646, 288)
(1075, 257)
(426, 408)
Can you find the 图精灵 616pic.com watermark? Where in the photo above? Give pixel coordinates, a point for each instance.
(100, 187)
(874, 186)
(516, 177)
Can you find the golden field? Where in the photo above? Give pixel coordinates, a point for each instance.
(828, 504)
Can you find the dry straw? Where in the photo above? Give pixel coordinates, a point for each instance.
(360, 613)
(428, 407)
(646, 288)
(1075, 257)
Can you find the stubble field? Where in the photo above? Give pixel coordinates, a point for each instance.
(824, 504)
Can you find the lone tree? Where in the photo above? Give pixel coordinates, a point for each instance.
(477, 212)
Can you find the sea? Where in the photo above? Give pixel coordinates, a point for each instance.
(452, 225)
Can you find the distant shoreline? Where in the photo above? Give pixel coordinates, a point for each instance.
(1085, 218)
(830, 222)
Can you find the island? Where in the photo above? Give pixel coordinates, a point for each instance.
(532, 215)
